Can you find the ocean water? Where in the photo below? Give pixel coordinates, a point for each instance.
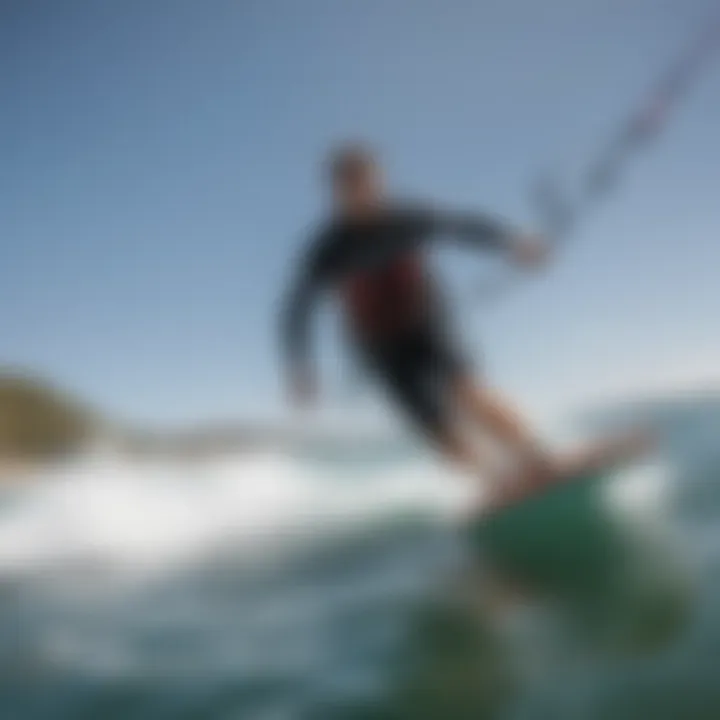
(327, 586)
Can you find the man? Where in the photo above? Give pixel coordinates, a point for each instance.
(371, 253)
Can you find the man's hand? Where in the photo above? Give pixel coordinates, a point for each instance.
(302, 389)
(530, 250)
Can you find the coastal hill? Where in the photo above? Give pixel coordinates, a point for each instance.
(38, 421)
(41, 423)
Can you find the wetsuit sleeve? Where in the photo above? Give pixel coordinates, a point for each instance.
(477, 229)
(297, 310)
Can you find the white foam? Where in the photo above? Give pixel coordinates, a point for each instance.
(645, 488)
(118, 514)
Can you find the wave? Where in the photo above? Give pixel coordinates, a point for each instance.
(143, 517)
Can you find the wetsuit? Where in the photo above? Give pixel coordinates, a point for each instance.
(392, 308)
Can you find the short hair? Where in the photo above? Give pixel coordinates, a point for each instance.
(349, 159)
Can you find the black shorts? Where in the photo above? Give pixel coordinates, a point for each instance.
(418, 370)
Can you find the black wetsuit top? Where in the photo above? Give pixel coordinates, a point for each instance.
(392, 307)
(378, 267)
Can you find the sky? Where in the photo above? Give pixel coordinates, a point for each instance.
(160, 168)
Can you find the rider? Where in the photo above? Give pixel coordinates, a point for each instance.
(371, 253)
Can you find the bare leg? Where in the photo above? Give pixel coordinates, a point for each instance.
(467, 457)
(489, 410)
(455, 447)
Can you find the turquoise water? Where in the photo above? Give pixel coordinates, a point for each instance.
(269, 589)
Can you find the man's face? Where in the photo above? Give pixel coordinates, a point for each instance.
(358, 189)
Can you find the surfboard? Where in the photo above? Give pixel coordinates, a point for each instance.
(552, 537)
(567, 541)
(596, 460)
(563, 522)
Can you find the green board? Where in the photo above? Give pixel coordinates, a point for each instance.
(571, 544)
(565, 535)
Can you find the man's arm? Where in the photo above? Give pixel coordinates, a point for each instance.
(483, 231)
(295, 325)
(476, 228)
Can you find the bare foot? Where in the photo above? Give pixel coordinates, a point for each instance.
(611, 450)
(544, 471)
(519, 484)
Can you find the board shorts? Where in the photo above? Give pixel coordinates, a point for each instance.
(419, 369)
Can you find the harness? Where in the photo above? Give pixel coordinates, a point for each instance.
(386, 300)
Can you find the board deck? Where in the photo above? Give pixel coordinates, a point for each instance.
(565, 542)
(616, 570)
(562, 531)
(599, 459)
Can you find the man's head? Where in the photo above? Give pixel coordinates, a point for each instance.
(356, 179)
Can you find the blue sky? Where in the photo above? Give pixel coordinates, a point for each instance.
(160, 166)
